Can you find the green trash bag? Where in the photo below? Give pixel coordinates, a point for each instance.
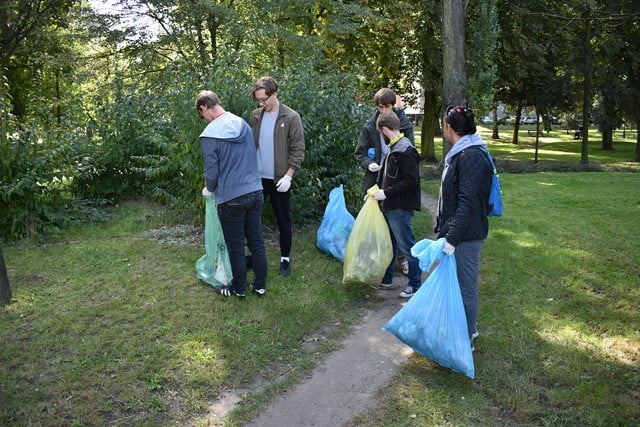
(214, 267)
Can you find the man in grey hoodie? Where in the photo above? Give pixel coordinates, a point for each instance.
(231, 172)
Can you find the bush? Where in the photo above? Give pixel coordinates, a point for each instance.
(331, 121)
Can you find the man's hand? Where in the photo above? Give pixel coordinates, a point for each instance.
(284, 184)
(448, 249)
(206, 193)
(379, 196)
(373, 167)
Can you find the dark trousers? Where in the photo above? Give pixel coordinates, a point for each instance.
(281, 203)
(241, 219)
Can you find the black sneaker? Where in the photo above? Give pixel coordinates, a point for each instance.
(285, 268)
(258, 291)
(408, 292)
(227, 291)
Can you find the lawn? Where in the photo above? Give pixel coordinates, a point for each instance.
(109, 324)
(560, 307)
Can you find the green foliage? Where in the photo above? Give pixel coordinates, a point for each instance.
(332, 121)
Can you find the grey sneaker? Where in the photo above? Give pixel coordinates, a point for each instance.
(387, 286)
(408, 292)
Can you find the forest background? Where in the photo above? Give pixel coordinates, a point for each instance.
(97, 99)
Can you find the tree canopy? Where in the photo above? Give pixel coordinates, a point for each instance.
(97, 104)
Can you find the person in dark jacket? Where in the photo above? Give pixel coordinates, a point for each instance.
(463, 205)
(231, 172)
(370, 145)
(369, 148)
(399, 196)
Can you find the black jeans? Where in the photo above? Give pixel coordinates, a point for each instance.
(241, 219)
(281, 203)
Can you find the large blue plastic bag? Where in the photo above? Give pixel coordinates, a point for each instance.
(214, 266)
(369, 249)
(433, 322)
(337, 222)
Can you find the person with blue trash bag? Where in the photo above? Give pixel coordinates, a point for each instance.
(399, 196)
(463, 205)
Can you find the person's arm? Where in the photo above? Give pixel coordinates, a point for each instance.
(469, 179)
(210, 157)
(296, 145)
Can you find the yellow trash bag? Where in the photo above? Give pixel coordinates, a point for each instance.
(369, 248)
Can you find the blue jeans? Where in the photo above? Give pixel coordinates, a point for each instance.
(241, 220)
(401, 227)
(468, 269)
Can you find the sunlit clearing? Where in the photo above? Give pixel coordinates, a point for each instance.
(551, 153)
(617, 348)
(198, 352)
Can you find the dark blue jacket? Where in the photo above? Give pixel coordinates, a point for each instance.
(465, 198)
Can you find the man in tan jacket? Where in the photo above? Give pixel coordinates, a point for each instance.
(279, 137)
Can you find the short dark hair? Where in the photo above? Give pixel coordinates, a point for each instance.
(461, 119)
(267, 83)
(384, 96)
(208, 98)
(388, 119)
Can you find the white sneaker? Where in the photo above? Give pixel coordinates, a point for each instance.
(408, 292)
(387, 286)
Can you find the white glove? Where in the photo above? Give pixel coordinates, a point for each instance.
(373, 167)
(448, 249)
(206, 193)
(283, 184)
(379, 196)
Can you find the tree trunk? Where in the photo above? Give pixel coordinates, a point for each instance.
(516, 125)
(212, 25)
(607, 138)
(5, 289)
(495, 134)
(586, 100)
(453, 57)
(430, 117)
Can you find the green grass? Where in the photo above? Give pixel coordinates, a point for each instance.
(559, 316)
(112, 326)
(556, 151)
(109, 324)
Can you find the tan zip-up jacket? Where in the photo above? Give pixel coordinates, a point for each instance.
(288, 139)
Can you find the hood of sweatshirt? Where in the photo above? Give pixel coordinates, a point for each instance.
(228, 127)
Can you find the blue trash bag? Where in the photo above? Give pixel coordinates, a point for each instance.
(433, 322)
(337, 222)
(214, 266)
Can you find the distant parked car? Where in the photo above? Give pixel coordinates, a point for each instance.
(531, 119)
(486, 120)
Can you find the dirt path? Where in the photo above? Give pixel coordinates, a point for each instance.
(345, 384)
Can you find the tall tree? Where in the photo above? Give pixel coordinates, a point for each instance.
(453, 55)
